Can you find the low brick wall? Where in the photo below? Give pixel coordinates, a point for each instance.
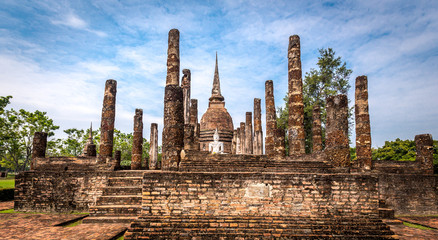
(409, 193)
(58, 191)
(259, 194)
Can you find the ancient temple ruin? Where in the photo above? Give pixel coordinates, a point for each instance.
(253, 190)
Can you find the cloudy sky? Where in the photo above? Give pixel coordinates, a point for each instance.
(56, 55)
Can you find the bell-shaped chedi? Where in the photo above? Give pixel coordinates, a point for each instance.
(216, 117)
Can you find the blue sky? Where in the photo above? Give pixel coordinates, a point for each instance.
(56, 55)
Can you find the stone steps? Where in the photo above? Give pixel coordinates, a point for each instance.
(214, 227)
(121, 199)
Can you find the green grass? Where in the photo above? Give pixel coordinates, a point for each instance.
(73, 224)
(8, 211)
(417, 226)
(7, 183)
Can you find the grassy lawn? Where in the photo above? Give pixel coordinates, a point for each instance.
(7, 183)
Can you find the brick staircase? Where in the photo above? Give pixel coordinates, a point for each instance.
(204, 162)
(253, 227)
(120, 201)
(384, 211)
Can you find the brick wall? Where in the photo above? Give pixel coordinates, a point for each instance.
(259, 194)
(410, 193)
(60, 191)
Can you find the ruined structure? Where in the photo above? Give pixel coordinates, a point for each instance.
(216, 117)
(337, 147)
(248, 133)
(137, 140)
(200, 195)
(173, 130)
(258, 133)
(363, 129)
(39, 148)
(107, 123)
(296, 107)
(194, 123)
(185, 84)
(153, 147)
(316, 129)
(90, 147)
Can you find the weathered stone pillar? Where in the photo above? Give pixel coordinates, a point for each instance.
(424, 146)
(194, 123)
(271, 118)
(137, 140)
(279, 149)
(234, 142)
(248, 133)
(173, 130)
(363, 127)
(258, 133)
(337, 147)
(39, 146)
(189, 132)
(238, 141)
(185, 84)
(107, 122)
(242, 138)
(118, 158)
(153, 147)
(295, 93)
(316, 129)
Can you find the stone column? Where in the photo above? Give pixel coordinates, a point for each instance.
(248, 133)
(189, 132)
(242, 138)
(118, 158)
(234, 142)
(316, 129)
(279, 149)
(153, 148)
(424, 145)
(337, 147)
(295, 93)
(258, 133)
(194, 123)
(173, 129)
(185, 84)
(39, 146)
(363, 127)
(271, 117)
(107, 122)
(137, 140)
(238, 141)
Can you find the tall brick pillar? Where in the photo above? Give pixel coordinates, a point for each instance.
(238, 141)
(118, 158)
(234, 142)
(242, 138)
(107, 122)
(189, 136)
(258, 133)
(194, 123)
(279, 149)
(363, 127)
(248, 133)
(424, 146)
(271, 118)
(295, 93)
(185, 84)
(173, 130)
(137, 140)
(337, 147)
(316, 129)
(153, 148)
(39, 146)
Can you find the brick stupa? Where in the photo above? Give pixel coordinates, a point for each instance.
(216, 117)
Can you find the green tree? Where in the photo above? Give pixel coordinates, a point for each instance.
(399, 150)
(331, 78)
(74, 144)
(17, 131)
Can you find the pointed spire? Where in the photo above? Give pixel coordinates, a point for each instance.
(216, 91)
